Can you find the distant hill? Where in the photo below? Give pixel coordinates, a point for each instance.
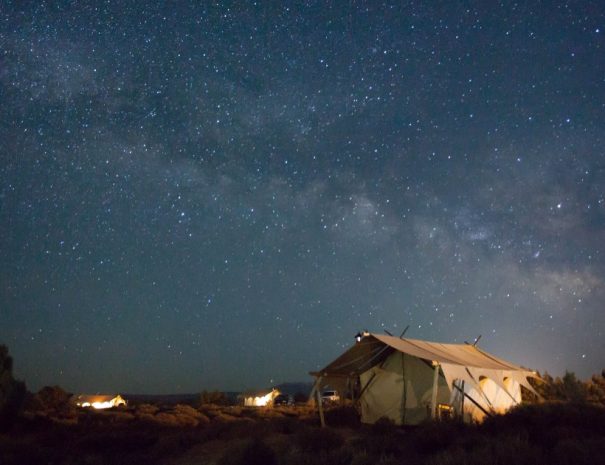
(192, 399)
(295, 388)
(170, 399)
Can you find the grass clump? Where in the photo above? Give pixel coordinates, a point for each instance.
(250, 452)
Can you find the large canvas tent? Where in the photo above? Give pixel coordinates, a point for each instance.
(409, 380)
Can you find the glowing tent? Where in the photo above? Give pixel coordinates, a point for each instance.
(409, 380)
(99, 402)
(259, 398)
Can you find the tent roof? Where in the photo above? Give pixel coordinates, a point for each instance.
(374, 348)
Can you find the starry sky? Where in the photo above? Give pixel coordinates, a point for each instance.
(219, 195)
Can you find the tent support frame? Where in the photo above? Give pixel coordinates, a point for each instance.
(464, 394)
(316, 396)
(434, 393)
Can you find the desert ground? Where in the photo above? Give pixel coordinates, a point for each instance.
(553, 432)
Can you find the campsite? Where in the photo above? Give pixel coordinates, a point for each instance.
(302, 232)
(385, 404)
(556, 433)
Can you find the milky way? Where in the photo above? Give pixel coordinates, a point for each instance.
(199, 197)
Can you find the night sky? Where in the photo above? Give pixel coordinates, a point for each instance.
(200, 196)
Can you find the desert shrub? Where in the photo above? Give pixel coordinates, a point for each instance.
(84, 459)
(383, 426)
(377, 445)
(495, 451)
(578, 452)
(224, 418)
(253, 452)
(120, 417)
(214, 398)
(269, 413)
(172, 443)
(145, 417)
(174, 419)
(147, 408)
(433, 436)
(383, 438)
(548, 424)
(296, 456)
(165, 419)
(210, 411)
(188, 416)
(286, 425)
(25, 455)
(596, 389)
(50, 398)
(186, 420)
(236, 411)
(362, 458)
(343, 416)
(570, 389)
(318, 439)
(117, 442)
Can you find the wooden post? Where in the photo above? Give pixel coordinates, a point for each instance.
(349, 391)
(434, 396)
(311, 398)
(320, 406)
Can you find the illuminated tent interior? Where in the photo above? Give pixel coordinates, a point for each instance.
(99, 402)
(409, 380)
(259, 398)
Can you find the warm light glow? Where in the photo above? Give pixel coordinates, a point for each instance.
(100, 405)
(261, 401)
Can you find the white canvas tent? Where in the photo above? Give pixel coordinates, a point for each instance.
(259, 398)
(99, 401)
(409, 380)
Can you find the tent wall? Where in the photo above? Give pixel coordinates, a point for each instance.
(400, 389)
(491, 397)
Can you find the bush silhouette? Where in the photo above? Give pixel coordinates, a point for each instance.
(213, 397)
(253, 452)
(12, 392)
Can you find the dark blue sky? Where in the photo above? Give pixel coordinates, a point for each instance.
(198, 197)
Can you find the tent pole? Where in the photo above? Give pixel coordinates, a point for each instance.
(320, 407)
(435, 387)
(404, 390)
(462, 403)
(477, 404)
(366, 386)
(313, 389)
(349, 391)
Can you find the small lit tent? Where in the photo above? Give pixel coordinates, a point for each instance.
(99, 402)
(259, 398)
(409, 380)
